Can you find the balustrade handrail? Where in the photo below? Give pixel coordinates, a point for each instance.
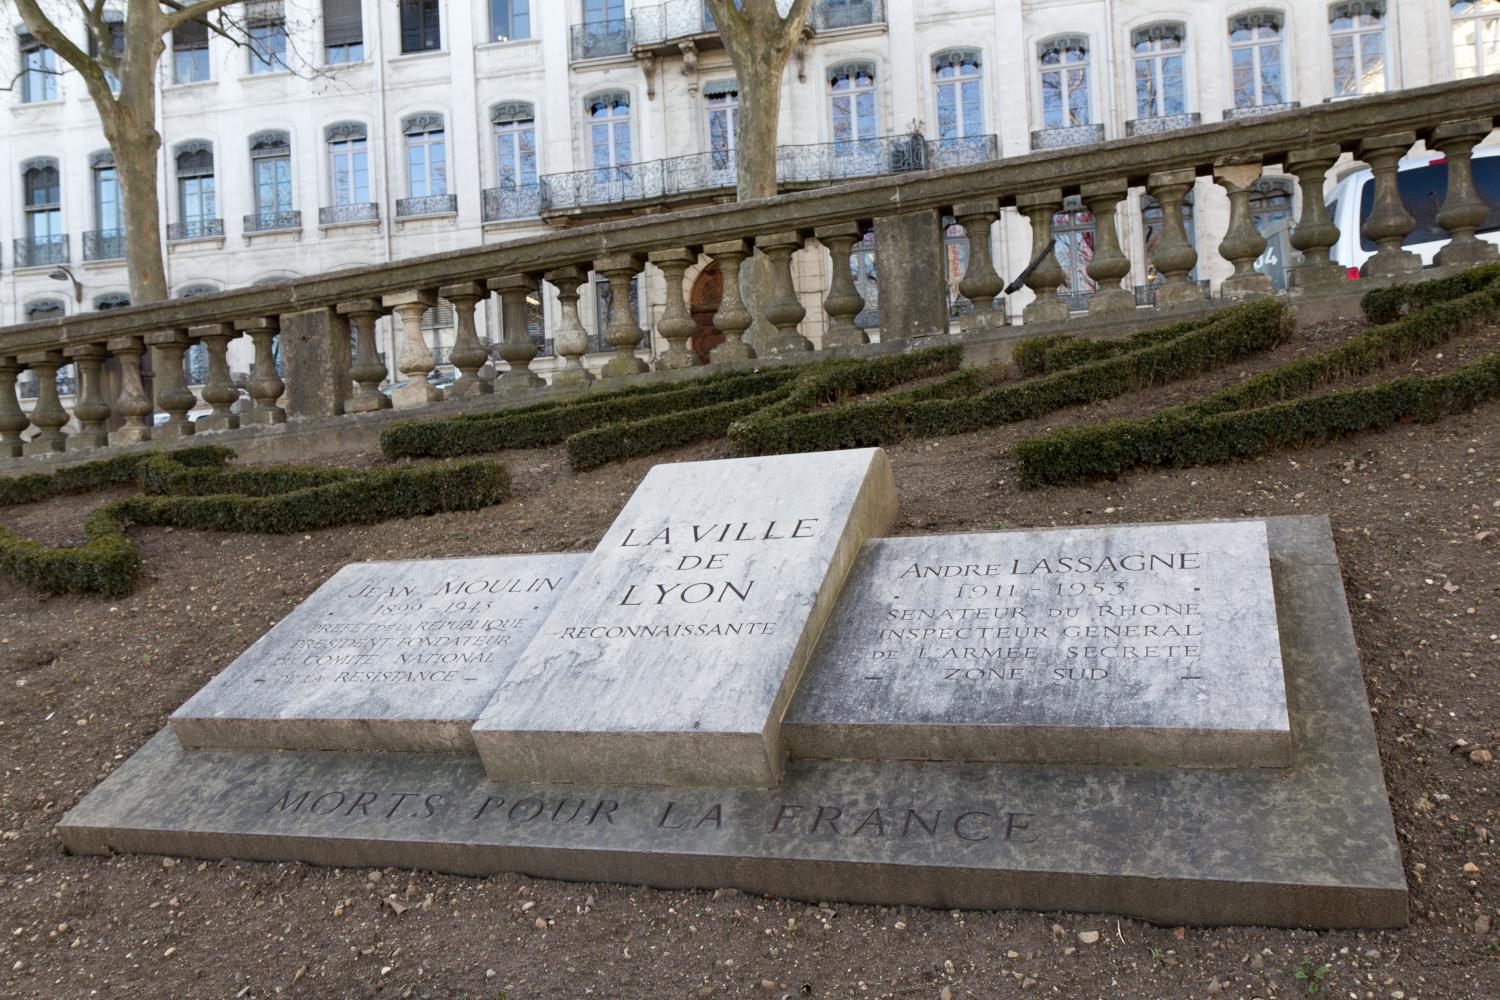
(1343, 124)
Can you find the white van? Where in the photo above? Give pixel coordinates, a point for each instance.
(1422, 181)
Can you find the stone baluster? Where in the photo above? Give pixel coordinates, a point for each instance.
(88, 405)
(133, 406)
(413, 357)
(219, 391)
(368, 370)
(570, 340)
(516, 348)
(676, 324)
(1242, 242)
(980, 284)
(732, 318)
(13, 420)
(265, 385)
(173, 397)
(623, 331)
(844, 301)
(1174, 257)
(48, 415)
(784, 310)
(1463, 209)
(468, 354)
(1109, 265)
(1315, 234)
(1389, 221)
(1039, 207)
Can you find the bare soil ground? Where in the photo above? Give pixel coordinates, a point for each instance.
(85, 681)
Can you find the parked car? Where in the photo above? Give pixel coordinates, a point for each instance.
(1423, 182)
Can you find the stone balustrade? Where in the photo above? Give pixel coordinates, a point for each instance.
(322, 330)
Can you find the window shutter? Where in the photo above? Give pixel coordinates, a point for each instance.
(341, 23)
(190, 35)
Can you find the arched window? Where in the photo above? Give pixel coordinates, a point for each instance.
(721, 99)
(195, 361)
(114, 300)
(271, 162)
(1476, 37)
(38, 71)
(1064, 65)
(515, 144)
(196, 204)
(1357, 31)
(960, 93)
(1258, 59)
(42, 190)
(426, 156)
(1159, 59)
(851, 93)
(348, 164)
(609, 129)
(40, 309)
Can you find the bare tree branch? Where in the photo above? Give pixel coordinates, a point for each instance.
(50, 35)
(184, 12)
(98, 28)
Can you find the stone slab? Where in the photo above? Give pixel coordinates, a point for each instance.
(673, 657)
(1132, 644)
(315, 349)
(912, 303)
(1310, 846)
(384, 656)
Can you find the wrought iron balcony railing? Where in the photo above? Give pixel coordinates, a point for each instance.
(666, 22)
(273, 222)
(103, 244)
(1256, 110)
(41, 251)
(1070, 135)
(195, 229)
(342, 215)
(627, 182)
(432, 204)
(601, 39)
(829, 14)
(851, 158)
(522, 201)
(962, 151)
(1162, 123)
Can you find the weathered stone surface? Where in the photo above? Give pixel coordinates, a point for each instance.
(673, 656)
(1310, 846)
(384, 656)
(315, 354)
(913, 302)
(1137, 644)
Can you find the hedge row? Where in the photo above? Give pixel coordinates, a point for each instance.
(1230, 335)
(1385, 305)
(1060, 351)
(122, 470)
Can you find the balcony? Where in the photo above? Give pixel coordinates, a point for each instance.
(347, 215)
(601, 39)
(41, 251)
(1257, 110)
(503, 204)
(819, 163)
(962, 151)
(273, 222)
(195, 229)
(1164, 123)
(104, 244)
(829, 15)
(665, 24)
(631, 182)
(1070, 135)
(424, 207)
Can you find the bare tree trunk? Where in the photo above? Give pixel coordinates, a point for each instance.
(136, 165)
(755, 143)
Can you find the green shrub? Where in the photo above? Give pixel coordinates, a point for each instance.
(1060, 351)
(1385, 305)
(106, 563)
(90, 476)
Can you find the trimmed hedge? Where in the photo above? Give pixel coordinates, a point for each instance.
(90, 476)
(1385, 305)
(933, 410)
(1061, 351)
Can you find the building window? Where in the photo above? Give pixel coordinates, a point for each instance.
(38, 71)
(866, 280)
(1064, 65)
(109, 212)
(115, 22)
(510, 20)
(1271, 212)
(604, 307)
(960, 93)
(1256, 54)
(44, 309)
(852, 101)
(1476, 37)
(1151, 224)
(265, 23)
(1073, 230)
(597, 13)
(609, 129)
(1160, 87)
(439, 331)
(271, 162)
(43, 198)
(723, 103)
(196, 209)
(343, 32)
(1357, 29)
(420, 27)
(348, 164)
(515, 144)
(426, 156)
(190, 52)
(114, 300)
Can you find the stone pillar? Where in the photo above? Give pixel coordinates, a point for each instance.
(1109, 264)
(1242, 242)
(1315, 234)
(676, 324)
(844, 301)
(1463, 209)
(624, 331)
(315, 360)
(413, 356)
(13, 420)
(1389, 221)
(570, 340)
(468, 354)
(732, 318)
(173, 397)
(913, 277)
(133, 406)
(368, 370)
(265, 385)
(89, 405)
(48, 415)
(1174, 256)
(1039, 207)
(784, 309)
(517, 348)
(218, 391)
(980, 283)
